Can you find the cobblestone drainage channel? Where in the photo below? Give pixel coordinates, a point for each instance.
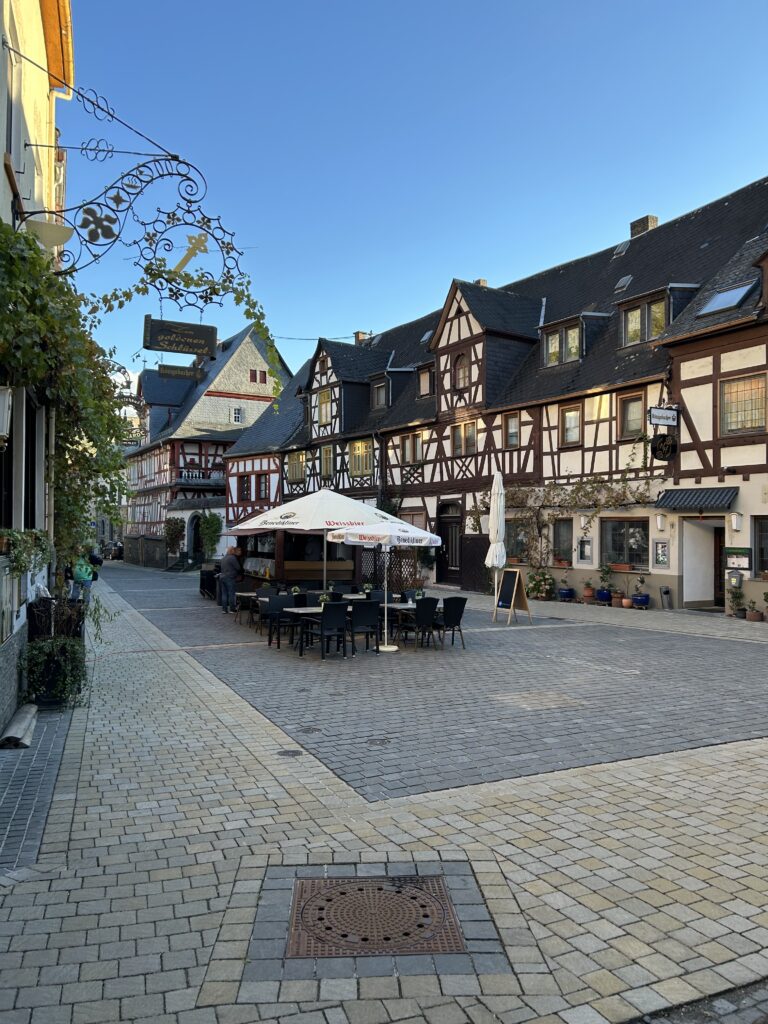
(373, 920)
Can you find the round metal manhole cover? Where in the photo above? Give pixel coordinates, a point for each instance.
(365, 917)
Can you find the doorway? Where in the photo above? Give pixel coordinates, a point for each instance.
(703, 563)
(194, 540)
(719, 567)
(448, 564)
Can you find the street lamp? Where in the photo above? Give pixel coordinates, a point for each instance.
(6, 394)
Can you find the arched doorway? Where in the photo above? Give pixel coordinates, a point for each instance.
(448, 564)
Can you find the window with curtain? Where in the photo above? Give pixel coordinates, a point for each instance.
(324, 407)
(562, 539)
(624, 541)
(461, 373)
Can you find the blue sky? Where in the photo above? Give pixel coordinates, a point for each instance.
(366, 153)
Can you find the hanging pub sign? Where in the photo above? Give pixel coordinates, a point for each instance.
(187, 372)
(664, 447)
(658, 416)
(173, 336)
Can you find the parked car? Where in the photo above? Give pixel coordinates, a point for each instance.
(113, 549)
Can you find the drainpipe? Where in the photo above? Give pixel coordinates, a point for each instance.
(51, 482)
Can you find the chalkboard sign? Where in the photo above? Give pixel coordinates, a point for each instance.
(511, 595)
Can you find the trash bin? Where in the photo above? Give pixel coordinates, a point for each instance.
(208, 581)
(666, 598)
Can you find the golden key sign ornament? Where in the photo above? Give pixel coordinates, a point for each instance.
(198, 244)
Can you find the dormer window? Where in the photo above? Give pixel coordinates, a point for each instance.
(324, 407)
(322, 365)
(562, 345)
(426, 383)
(379, 396)
(644, 321)
(461, 373)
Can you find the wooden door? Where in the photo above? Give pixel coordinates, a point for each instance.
(449, 555)
(719, 566)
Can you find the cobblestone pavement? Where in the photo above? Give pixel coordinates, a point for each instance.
(615, 890)
(505, 707)
(27, 780)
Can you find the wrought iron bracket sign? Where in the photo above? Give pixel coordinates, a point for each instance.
(186, 372)
(662, 416)
(174, 336)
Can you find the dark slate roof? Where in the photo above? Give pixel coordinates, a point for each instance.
(502, 311)
(689, 249)
(354, 362)
(698, 499)
(740, 269)
(407, 342)
(156, 389)
(276, 426)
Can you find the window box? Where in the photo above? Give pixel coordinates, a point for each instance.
(562, 563)
(620, 566)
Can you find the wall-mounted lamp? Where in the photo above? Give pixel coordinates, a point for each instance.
(6, 395)
(736, 520)
(661, 520)
(584, 520)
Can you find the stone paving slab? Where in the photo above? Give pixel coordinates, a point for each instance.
(519, 701)
(617, 890)
(27, 781)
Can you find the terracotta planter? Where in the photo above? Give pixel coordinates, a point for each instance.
(616, 600)
(588, 595)
(626, 602)
(621, 566)
(513, 561)
(754, 616)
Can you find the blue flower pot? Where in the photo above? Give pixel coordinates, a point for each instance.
(566, 593)
(641, 600)
(603, 595)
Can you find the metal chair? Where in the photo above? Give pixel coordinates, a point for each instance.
(364, 621)
(453, 610)
(254, 610)
(423, 624)
(336, 596)
(277, 616)
(332, 624)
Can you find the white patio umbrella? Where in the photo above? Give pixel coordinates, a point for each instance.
(496, 558)
(319, 512)
(394, 534)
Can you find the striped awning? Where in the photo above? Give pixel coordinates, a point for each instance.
(698, 499)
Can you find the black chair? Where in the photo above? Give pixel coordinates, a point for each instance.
(299, 600)
(423, 624)
(408, 595)
(313, 598)
(331, 625)
(364, 621)
(353, 589)
(336, 596)
(254, 609)
(278, 616)
(375, 595)
(453, 610)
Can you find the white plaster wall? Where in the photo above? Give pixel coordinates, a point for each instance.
(691, 368)
(741, 359)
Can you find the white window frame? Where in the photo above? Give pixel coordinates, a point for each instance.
(361, 458)
(295, 467)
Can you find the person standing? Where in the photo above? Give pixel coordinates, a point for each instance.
(82, 579)
(230, 573)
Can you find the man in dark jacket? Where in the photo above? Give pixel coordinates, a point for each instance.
(230, 573)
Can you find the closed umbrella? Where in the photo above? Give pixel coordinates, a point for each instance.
(394, 534)
(496, 558)
(319, 512)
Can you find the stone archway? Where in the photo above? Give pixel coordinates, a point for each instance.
(194, 541)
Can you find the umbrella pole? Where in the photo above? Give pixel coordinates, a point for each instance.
(325, 560)
(387, 647)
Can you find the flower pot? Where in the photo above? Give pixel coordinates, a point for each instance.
(754, 616)
(616, 600)
(588, 595)
(626, 602)
(621, 566)
(740, 613)
(641, 600)
(513, 561)
(566, 593)
(603, 595)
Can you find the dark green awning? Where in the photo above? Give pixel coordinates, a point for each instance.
(698, 499)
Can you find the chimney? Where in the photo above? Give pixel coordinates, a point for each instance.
(361, 337)
(639, 227)
(481, 281)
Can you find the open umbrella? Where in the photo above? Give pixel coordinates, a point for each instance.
(394, 534)
(319, 512)
(496, 558)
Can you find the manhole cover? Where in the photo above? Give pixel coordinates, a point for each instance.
(289, 753)
(379, 741)
(371, 916)
(309, 729)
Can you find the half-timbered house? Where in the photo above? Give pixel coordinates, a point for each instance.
(550, 380)
(188, 424)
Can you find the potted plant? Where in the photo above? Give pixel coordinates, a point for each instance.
(736, 602)
(621, 566)
(367, 588)
(603, 594)
(588, 593)
(541, 584)
(324, 598)
(640, 599)
(753, 615)
(295, 590)
(617, 596)
(55, 668)
(565, 591)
